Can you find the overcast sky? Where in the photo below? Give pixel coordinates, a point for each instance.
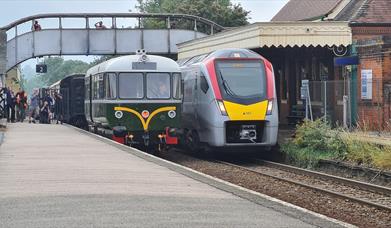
(12, 10)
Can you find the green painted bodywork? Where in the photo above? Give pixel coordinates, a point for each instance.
(104, 115)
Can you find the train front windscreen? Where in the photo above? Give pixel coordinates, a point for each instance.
(242, 80)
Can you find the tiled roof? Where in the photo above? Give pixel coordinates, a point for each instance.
(297, 10)
(350, 10)
(374, 11)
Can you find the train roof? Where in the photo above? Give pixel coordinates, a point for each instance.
(222, 53)
(57, 83)
(125, 64)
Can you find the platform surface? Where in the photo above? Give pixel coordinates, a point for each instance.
(55, 176)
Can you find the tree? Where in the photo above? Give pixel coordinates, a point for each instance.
(102, 59)
(57, 69)
(222, 12)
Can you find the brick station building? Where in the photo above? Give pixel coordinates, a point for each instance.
(371, 33)
(302, 41)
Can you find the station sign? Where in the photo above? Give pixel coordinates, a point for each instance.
(345, 61)
(41, 68)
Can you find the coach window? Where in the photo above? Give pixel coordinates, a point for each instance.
(87, 88)
(101, 86)
(131, 85)
(95, 87)
(111, 86)
(176, 85)
(158, 86)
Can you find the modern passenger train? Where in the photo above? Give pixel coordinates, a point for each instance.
(229, 100)
(135, 99)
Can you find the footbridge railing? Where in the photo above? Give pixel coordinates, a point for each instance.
(79, 34)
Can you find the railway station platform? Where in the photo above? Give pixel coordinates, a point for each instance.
(59, 176)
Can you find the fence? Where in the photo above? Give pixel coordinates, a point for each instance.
(374, 105)
(337, 100)
(327, 100)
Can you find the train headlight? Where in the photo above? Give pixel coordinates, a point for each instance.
(269, 108)
(145, 114)
(172, 114)
(221, 106)
(118, 114)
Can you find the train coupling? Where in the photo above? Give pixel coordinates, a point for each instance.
(146, 138)
(248, 132)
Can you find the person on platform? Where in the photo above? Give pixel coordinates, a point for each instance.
(33, 107)
(100, 25)
(58, 107)
(44, 113)
(8, 101)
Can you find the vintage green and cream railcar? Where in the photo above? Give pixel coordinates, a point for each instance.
(135, 99)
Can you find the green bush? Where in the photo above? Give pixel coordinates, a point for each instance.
(383, 160)
(314, 140)
(360, 152)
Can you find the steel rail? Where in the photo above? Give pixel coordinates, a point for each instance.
(339, 195)
(352, 183)
(113, 15)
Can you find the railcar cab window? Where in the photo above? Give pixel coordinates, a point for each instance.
(158, 86)
(131, 85)
(204, 83)
(242, 78)
(176, 86)
(111, 86)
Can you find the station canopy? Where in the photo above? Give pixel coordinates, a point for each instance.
(272, 34)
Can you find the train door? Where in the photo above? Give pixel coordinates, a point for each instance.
(205, 112)
(196, 99)
(188, 98)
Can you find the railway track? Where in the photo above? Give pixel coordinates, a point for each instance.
(355, 191)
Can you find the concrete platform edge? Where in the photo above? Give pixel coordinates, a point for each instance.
(294, 211)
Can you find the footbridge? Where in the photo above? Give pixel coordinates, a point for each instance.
(157, 33)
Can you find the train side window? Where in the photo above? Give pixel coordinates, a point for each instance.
(111, 86)
(188, 87)
(87, 88)
(95, 87)
(100, 87)
(177, 85)
(204, 84)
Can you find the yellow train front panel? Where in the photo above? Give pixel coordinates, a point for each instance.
(237, 112)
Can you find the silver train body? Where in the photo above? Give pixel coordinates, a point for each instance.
(229, 100)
